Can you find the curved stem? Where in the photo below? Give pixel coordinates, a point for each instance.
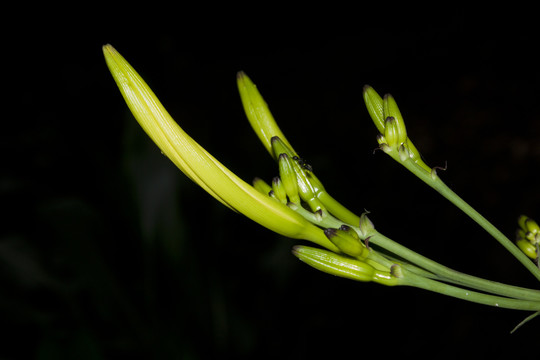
(436, 183)
(451, 275)
(412, 279)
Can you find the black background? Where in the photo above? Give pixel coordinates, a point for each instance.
(107, 250)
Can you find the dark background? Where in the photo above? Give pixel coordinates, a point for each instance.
(107, 250)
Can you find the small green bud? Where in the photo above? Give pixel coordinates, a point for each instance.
(305, 189)
(346, 242)
(258, 113)
(335, 264)
(279, 190)
(288, 177)
(374, 105)
(529, 226)
(390, 109)
(261, 186)
(527, 248)
(279, 147)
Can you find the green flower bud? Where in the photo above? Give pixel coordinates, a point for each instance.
(527, 248)
(374, 105)
(391, 110)
(258, 114)
(288, 177)
(279, 147)
(305, 189)
(346, 242)
(261, 186)
(279, 190)
(335, 264)
(529, 226)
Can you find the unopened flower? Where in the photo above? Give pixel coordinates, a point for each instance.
(392, 136)
(344, 266)
(528, 236)
(199, 165)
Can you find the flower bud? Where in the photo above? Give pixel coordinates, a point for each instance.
(335, 264)
(288, 177)
(261, 186)
(280, 147)
(527, 248)
(346, 242)
(279, 190)
(530, 227)
(374, 105)
(258, 114)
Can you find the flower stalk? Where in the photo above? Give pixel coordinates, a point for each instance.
(297, 205)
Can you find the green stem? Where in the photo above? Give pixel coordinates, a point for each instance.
(436, 183)
(451, 275)
(412, 279)
(434, 269)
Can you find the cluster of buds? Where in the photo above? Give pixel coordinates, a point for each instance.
(392, 137)
(528, 237)
(295, 205)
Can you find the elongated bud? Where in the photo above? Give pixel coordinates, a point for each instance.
(335, 264)
(258, 114)
(374, 105)
(344, 266)
(279, 190)
(261, 186)
(346, 242)
(280, 147)
(391, 110)
(288, 177)
(305, 189)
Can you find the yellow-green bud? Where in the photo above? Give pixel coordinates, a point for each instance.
(305, 189)
(258, 114)
(346, 242)
(288, 177)
(335, 264)
(527, 248)
(279, 190)
(279, 147)
(391, 109)
(374, 105)
(261, 186)
(530, 228)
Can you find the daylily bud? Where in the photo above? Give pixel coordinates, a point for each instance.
(528, 237)
(335, 264)
(259, 115)
(530, 227)
(344, 266)
(279, 190)
(527, 248)
(288, 176)
(374, 105)
(391, 109)
(201, 167)
(261, 186)
(280, 147)
(346, 242)
(305, 189)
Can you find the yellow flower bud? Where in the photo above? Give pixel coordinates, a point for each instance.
(199, 165)
(347, 242)
(259, 115)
